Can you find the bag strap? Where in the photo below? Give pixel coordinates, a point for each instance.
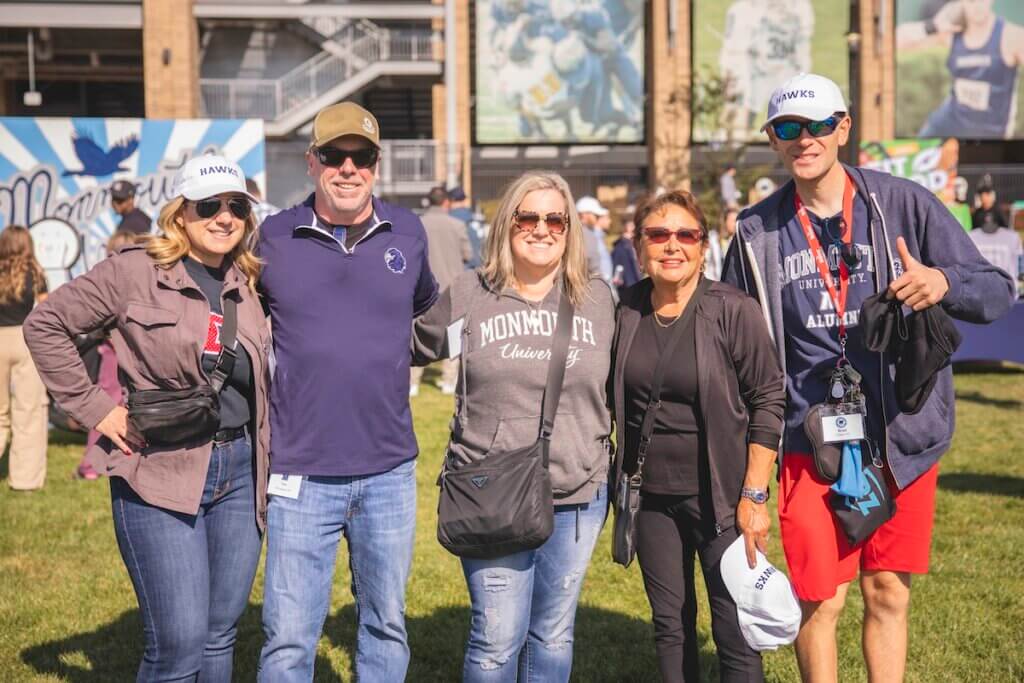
(226, 358)
(556, 369)
(654, 402)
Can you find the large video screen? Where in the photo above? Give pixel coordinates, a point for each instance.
(559, 71)
(754, 46)
(958, 69)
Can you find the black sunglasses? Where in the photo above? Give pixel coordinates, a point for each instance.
(364, 157)
(790, 129)
(239, 207)
(527, 221)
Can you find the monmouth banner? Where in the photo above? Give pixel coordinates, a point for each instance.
(56, 173)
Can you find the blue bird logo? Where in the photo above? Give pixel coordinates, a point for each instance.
(96, 162)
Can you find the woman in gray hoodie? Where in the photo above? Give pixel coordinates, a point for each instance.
(504, 316)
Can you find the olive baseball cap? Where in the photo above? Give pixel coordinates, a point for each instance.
(344, 118)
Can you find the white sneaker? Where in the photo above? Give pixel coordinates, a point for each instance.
(414, 390)
(447, 389)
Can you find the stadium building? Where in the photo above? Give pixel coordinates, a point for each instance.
(608, 92)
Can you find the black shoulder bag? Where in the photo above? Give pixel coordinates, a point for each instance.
(627, 500)
(186, 416)
(503, 503)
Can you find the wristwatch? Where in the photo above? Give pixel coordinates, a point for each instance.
(759, 496)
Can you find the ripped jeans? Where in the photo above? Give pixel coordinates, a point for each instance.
(524, 605)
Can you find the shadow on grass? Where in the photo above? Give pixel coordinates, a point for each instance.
(609, 646)
(113, 652)
(982, 399)
(988, 484)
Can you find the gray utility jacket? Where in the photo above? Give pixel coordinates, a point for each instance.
(506, 342)
(159, 319)
(740, 387)
(978, 293)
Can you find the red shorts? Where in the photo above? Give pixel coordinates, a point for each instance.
(819, 557)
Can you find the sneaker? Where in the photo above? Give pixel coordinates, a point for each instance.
(447, 389)
(414, 390)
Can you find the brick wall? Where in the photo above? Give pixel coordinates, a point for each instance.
(170, 34)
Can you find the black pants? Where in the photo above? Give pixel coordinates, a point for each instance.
(670, 529)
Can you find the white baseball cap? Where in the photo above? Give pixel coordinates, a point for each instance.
(808, 96)
(208, 175)
(588, 204)
(769, 613)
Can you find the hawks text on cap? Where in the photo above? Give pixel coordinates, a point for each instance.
(207, 175)
(806, 96)
(344, 118)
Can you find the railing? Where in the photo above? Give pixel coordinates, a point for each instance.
(412, 166)
(272, 99)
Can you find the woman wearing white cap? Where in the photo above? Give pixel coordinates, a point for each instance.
(187, 458)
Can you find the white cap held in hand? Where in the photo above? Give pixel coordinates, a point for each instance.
(769, 613)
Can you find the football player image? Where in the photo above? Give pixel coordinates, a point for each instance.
(765, 43)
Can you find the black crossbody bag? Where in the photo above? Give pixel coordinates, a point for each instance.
(503, 503)
(627, 500)
(168, 417)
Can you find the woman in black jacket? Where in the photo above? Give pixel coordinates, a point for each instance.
(715, 431)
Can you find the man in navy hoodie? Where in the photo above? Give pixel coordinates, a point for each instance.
(344, 274)
(811, 253)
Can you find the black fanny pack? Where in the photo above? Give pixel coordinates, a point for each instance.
(185, 416)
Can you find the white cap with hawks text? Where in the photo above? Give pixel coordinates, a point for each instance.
(806, 96)
(766, 607)
(208, 175)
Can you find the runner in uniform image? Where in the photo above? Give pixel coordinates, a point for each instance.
(985, 51)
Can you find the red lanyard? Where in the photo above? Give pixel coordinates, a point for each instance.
(838, 299)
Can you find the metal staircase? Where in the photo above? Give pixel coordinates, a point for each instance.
(354, 55)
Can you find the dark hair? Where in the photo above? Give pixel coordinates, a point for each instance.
(656, 204)
(437, 196)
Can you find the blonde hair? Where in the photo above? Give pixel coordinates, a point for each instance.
(173, 243)
(17, 260)
(498, 268)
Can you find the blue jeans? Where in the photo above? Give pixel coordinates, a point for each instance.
(377, 515)
(524, 605)
(192, 573)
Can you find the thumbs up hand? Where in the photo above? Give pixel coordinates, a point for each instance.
(919, 287)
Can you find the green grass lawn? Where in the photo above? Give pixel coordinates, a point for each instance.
(67, 611)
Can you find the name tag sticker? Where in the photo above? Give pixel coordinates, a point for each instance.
(286, 485)
(455, 338)
(842, 427)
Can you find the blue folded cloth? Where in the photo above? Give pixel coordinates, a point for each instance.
(852, 482)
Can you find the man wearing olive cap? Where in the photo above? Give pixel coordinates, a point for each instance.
(344, 274)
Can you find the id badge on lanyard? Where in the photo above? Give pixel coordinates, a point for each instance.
(844, 411)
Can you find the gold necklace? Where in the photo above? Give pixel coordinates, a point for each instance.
(657, 319)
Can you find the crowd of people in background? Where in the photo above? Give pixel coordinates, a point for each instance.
(712, 353)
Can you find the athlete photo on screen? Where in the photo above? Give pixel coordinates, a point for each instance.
(765, 43)
(985, 52)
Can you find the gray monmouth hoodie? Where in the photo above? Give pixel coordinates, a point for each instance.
(506, 341)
